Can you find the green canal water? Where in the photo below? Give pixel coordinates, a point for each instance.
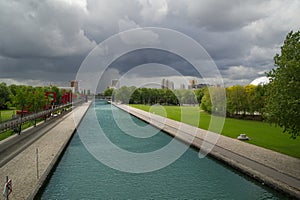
(81, 176)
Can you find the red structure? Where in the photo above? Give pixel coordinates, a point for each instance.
(19, 112)
(51, 96)
(66, 97)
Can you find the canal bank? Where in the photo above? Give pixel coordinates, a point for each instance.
(276, 170)
(30, 168)
(82, 173)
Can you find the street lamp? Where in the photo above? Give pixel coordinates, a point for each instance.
(20, 126)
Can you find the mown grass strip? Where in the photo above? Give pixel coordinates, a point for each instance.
(6, 114)
(260, 133)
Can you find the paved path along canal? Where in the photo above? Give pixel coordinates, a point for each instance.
(22, 169)
(274, 169)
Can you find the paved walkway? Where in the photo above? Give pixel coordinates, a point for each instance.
(22, 169)
(13, 145)
(277, 170)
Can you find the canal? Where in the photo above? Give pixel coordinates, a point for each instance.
(79, 175)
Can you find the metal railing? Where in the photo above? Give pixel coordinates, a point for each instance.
(13, 123)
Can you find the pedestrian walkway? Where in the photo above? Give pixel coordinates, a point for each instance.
(277, 170)
(26, 173)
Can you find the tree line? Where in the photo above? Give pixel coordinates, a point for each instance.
(240, 100)
(246, 102)
(152, 96)
(30, 98)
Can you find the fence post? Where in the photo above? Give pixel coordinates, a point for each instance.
(37, 163)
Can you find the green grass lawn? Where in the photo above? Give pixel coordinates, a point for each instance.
(260, 133)
(6, 114)
(6, 134)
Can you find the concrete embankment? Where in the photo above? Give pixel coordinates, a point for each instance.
(276, 170)
(29, 173)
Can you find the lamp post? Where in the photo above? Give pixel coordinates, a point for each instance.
(35, 111)
(20, 126)
(47, 104)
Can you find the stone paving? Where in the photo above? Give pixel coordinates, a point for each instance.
(277, 170)
(22, 169)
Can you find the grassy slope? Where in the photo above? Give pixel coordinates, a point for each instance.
(6, 134)
(7, 114)
(261, 133)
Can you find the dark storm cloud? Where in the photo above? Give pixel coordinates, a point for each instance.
(58, 69)
(139, 57)
(48, 39)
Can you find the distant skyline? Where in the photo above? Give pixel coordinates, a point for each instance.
(43, 42)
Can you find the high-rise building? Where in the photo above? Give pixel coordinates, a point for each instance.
(114, 83)
(171, 85)
(163, 83)
(193, 83)
(182, 86)
(167, 84)
(75, 86)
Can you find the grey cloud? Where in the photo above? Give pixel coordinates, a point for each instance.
(42, 29)
(240, 72)
(60, 69)
(103, 17)
(48, 40)
(219, 15)
(140, 57)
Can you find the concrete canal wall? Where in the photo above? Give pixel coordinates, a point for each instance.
(26, 173)
(276, 170)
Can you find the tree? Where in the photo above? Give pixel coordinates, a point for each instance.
(260, 99)
(20, 99)
(4, 95)
(236, 99)
(123, 95)
(206, 101)
(13, 89)
(188, 97)
(108, 92)
(170, 97)
(36, 99)
(214, 100)
(145, 96)
(199, 94)
(283, 94)
(250, 99)
(135, 97)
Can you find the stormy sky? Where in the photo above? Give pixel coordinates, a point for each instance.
(43, 41)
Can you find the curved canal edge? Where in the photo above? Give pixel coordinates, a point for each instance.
(28, 174)
(273, 169)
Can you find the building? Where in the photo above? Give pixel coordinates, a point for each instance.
(114, 84)
(201, 85)
(74, 86)
(194, 84)
(167, 84)
(163, 84)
